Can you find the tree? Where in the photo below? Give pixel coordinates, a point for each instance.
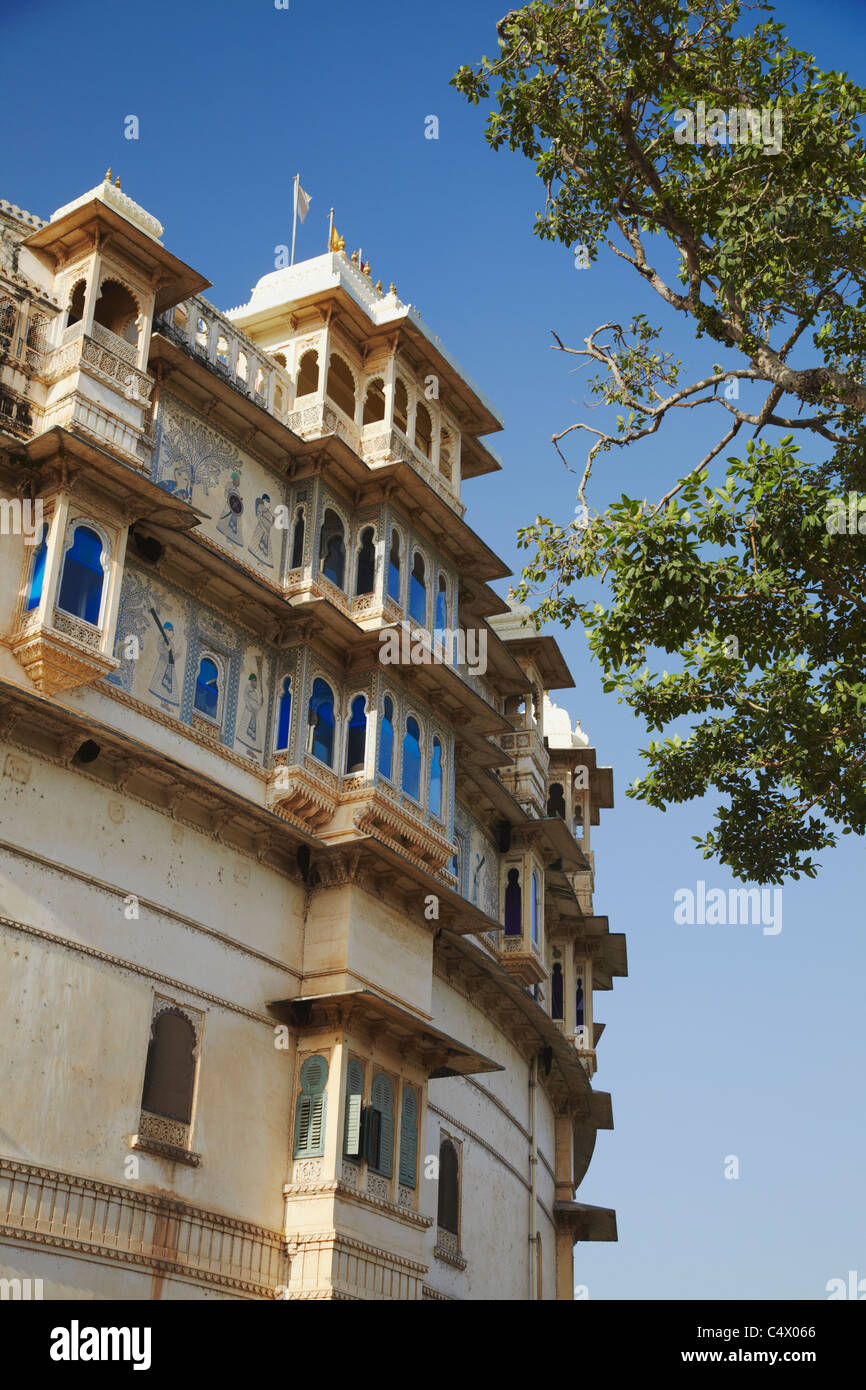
(746, 216)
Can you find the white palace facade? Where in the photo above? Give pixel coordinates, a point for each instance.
(300, 963)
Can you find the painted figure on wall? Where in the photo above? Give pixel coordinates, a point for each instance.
(191, 456)
(229, 524)
(166, 681)
(260, 545)
(250, 722)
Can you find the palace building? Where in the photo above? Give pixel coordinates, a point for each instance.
(300, 960)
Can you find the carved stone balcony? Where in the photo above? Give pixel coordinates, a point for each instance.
(522, 960)
(307, 793)
(61, 657)
(206, 334)
(75, 376)
(379, 445)
(404, 828)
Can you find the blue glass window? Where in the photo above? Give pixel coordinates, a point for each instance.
(394, 568)
(207, 693)
(386, 739)
(366, 568)
(412, 759)
(441, 606)
(37, 574)
(332, 548)
(321, 720)
(436, 779)
(418, 591)
(356, 739)
(556, 992)
(83, 577)
(284, 723)
(513, 923)
(535, 907)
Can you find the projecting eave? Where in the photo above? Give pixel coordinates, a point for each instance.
(142, 499)
(544, 651)
(443, 1054)
(558, 843)
(585, 1222)
(60, 240)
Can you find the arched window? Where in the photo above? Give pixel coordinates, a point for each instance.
(75, 312)
(180, 316)
(354, 1100)
(261, 383)
(556, 998)
(280, 359)
(401, 406)
(117, 310)
(386, 739)
(365, 571)
(424, 431)
(298, 540)
(356, 736)
(374, 402)
(222, 350)
(321, 722)
(408, 1138)
(418, 590)
(513, 904)
(445, 455)
(341, 385)
(37, 572)
(279, 400)
(412, 759)
(242, 367)
(442, 605)
(556, 800)
(207, 688)
(578, 1005)
(83, 577)
(310, 1111)
(8, 318)
(436, 779)
(308, 374)
(535, 907)
(394, 566)
(284, 718)
(169, 1077)
(448, 1211)
(380, 1127)
(332, 548)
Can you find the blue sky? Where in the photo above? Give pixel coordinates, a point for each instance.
(723, 1041)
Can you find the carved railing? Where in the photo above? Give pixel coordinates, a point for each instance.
(208, 335)
(113, 342)
(67, 1212)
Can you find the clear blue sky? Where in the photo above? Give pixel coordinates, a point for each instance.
(723, 1040)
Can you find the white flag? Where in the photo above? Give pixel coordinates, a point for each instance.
(302, 201)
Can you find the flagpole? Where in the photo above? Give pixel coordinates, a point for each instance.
(330, 229)
(295, 217)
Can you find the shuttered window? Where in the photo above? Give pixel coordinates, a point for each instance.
(380, 1127)
(310, 1111)
(408, 1138)
(354, 1098)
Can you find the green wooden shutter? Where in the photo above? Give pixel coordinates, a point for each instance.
(382, 1103)
(408, 1139)
(352, 1123)
(310, 1114)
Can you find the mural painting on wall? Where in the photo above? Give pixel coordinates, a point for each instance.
(481, 879)
(150, 643)
(252, 711)
(198, 465)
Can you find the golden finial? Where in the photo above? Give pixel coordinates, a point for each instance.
(366, 270)
(392, 289)
(107, 178)
(341, 244)
(379, 286)
(117, 182)
(354, 258)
